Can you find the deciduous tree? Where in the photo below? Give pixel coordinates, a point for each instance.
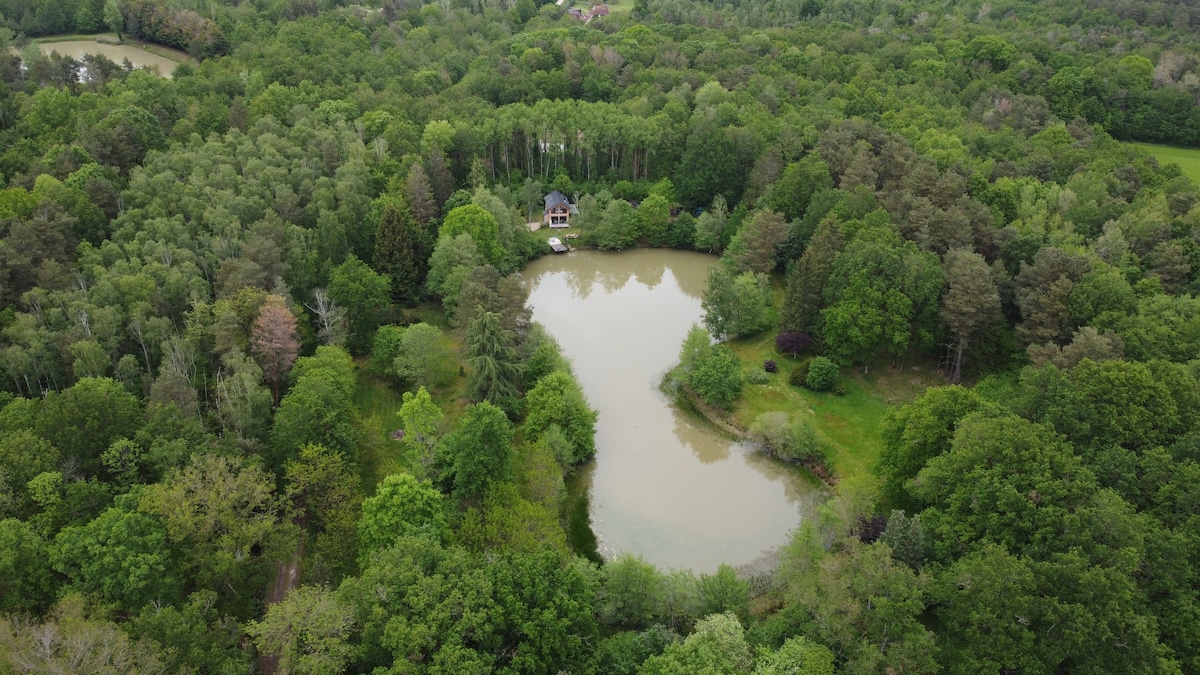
(308, 631)
(557, 400)
(365, 294)
(25, 564)
(324, 492)
(971, 303)
(71, 641)
(223, 515)
(881, 295)
(122, 557)
(82, 421)
(402, 506)
(717, 378)
(736, 304)
(478, 452)
(275, 341)
(717, 645)
(422, 419)
(482, 227)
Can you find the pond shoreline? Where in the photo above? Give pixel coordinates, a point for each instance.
(666, 484)
(76, 43)
(688, 400)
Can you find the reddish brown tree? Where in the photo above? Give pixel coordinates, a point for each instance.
(274, 341)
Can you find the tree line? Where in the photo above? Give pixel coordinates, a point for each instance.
(200, 273)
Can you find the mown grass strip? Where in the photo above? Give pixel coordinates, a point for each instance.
(1188, 159)
(849, 423)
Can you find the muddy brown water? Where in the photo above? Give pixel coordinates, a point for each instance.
(664, 484)
(140, 58)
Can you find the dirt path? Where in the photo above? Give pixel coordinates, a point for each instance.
(287, 578)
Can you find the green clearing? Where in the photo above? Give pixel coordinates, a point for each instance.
(104, 38)
(376, 403)
(614, 6)
(1188, 159)
(850, 423)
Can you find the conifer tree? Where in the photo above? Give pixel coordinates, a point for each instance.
(400, 251)
(494, 368)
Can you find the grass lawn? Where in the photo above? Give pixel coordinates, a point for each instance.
(614, 6)
(1188, 159)
(849, 423)
(377, 402)
(378, 454)
(106, 38)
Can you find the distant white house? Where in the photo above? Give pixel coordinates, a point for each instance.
(558, 210)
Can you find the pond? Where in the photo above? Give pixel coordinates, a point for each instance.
(664, 484)
(140, 58)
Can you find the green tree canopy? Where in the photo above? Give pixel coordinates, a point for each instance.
(308, 631)
(402, 506)
(557, 399)
(882, 295)
(483, 228)
(122, 557)
(81, 422)
(478, 452)
(365, 294)
(736, 304)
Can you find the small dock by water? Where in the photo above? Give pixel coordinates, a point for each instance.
(557, 246)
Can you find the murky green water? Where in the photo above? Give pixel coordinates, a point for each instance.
(663, 484)
(77, 49)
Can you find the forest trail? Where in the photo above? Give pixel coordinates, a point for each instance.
(287, 578)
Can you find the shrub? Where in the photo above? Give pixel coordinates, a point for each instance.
(756, 376)
(792, 343)
(789, 438)
(770, 366)
(799, 375)
(822, 374)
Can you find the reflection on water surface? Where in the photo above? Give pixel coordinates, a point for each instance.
(664, 485)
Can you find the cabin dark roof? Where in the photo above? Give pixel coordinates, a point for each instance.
(555, 198)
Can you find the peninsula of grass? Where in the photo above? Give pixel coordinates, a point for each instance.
(849, 423)
(102, 38)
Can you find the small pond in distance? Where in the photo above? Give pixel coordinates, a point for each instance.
(664, 484)
(140, 58)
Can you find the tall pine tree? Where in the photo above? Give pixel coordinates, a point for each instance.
(401, 251)
(420, 195)
(806, 279)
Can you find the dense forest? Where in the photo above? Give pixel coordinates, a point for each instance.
(201, 275)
